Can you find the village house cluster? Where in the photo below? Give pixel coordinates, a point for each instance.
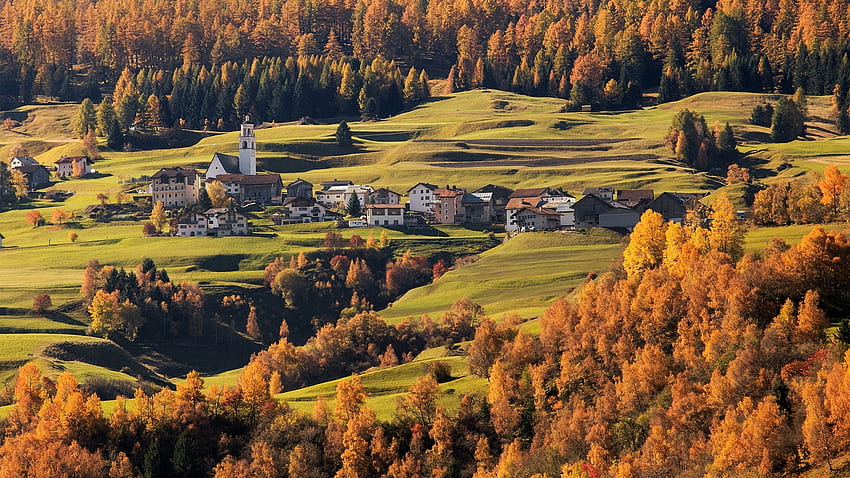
(38, 175)
(537, 209)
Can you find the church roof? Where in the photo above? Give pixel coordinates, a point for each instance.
(229, 162)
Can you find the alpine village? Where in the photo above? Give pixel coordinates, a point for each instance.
(424, 238)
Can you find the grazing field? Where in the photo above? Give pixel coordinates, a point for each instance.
(523, 276)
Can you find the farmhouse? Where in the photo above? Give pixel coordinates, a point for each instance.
(37, 175)
(537, 219)
(175, 187)
(18, 161)
(260, 188)
(499, 197)
(192, 224)
(538, 199)
(674, 206)
(385, 214)
(299, 189)
(384, 196)
(226, 222)
(594, 211)
(77, 166)
(477, 208)
(299, 209)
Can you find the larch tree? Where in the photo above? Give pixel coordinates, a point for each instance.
(158, 217)
(726, 233)
(646, 245)
(834, 182)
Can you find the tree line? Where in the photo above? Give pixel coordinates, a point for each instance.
(601, 52)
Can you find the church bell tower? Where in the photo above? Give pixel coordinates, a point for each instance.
(247, 149)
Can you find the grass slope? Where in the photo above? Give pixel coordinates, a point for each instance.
(522, 276)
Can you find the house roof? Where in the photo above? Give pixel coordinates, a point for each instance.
(449, 193)
(519, 203)
(300, 202)
(220, 210)
(598, 190)
(25, 160)
(529, 193)
(71, 159)
(335, 182)
(299, 182)
(191, 218)
(497, 190)
(174, 172)
(486, 197)
(31, 168)
(2, 236)
(635, 194)
(540, 211)
(427, 185)
(384, 192)
(229, 162)
(249, 180)
(472, 199)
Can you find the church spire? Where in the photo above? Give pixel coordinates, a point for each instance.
(247, 149)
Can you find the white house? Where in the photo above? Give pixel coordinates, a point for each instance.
(385, 214)
(20, 161)
(175, 187)
(192, 225)
(338, 196)
(299, 209)
(422, 198)
(66, 164)
(384, 196)
(227, 222)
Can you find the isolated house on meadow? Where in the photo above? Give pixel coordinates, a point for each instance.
(175, 187)
(68, 166)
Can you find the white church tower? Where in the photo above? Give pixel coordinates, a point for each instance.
(247, 150)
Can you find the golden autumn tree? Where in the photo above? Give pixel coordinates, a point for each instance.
(831, 186)
(646, 245)
(726, 233)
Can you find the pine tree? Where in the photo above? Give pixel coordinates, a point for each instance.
(343, 135)
(86, 119)
(353, 208)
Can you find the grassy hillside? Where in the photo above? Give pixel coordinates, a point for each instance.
(470, 139)
(522, 276)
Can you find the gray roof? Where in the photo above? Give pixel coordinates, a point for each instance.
(229, 162)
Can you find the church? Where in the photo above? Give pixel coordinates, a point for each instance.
(239, 175)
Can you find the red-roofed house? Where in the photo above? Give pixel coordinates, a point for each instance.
(448, 205)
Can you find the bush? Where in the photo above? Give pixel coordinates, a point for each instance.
(440, 370)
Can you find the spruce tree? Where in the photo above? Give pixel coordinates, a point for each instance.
(353, 207)
(343, 134)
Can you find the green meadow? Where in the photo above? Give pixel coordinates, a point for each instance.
(468, 139)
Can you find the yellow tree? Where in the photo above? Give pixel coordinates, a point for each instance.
(20, 184)
(726, 234)
(217, 193)
(158, 218)
(646, 245)
(831, 187)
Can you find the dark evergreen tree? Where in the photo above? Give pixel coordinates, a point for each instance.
(343, 134)
(788, 122)
(354, 208)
